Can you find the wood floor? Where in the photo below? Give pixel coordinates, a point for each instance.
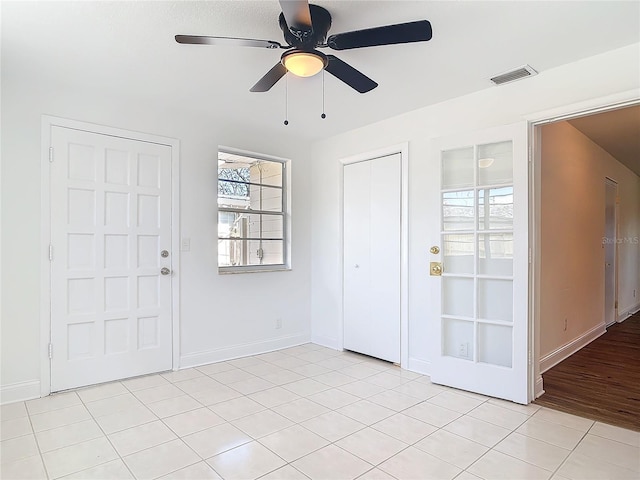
(601, 381)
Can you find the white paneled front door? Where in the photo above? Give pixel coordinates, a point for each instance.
(480, 302)
(111, 255)
(372, 210)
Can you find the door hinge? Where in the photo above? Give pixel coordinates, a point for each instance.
(530, 153)
(50, 154)
(530, 255)
(50, 350)
(616, 305)
(530, 360)
(50, 252)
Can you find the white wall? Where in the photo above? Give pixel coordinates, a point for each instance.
(221, 315)
(603, 75)
(572, 228)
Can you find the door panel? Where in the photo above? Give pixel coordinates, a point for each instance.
(610, 247)
(110, 219)
(479, 316)
(372, 257)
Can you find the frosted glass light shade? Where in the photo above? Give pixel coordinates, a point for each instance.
(304, 64)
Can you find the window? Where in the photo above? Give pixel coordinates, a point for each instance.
(252, 222)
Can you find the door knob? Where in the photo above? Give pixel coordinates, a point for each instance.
(435, 269)
(356, 266)
(435, 249)
(164, 253)
(165, 271)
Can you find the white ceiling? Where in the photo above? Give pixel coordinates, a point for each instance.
(127, 49)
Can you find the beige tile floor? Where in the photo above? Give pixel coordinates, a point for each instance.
(303, 412)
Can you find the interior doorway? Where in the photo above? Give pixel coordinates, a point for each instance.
(587, 192)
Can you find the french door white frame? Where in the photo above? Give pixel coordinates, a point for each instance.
(567, 112)
(403, 150)
(47, 123)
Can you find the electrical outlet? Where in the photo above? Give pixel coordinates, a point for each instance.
(463, 350)
(278, 323)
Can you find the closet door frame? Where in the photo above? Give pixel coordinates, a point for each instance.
(403, 150)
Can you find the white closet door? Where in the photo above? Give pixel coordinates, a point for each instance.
(372, 196)
(110, 221)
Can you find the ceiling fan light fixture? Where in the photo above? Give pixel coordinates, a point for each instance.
(304, 63)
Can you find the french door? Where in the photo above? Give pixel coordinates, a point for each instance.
(479, 270)
(110, 257)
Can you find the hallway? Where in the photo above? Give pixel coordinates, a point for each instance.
(602, 380)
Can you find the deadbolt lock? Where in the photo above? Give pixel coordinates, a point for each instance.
(164, 253)
(435, 249)
(435, 269)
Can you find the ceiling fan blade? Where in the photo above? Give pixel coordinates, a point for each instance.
(226, 41)
(297, 14)
(419, 31)
(270, 79)
(349, 75)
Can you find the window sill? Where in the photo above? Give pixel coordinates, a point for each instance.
(253, 269)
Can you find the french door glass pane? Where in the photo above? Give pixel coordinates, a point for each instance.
(495, 163)
(458, 252)
(457, 168)
(495, 299)
(495, 344)
(457, 296)
(457, 338)
(495, 254)
(458, 210)
(495, 208)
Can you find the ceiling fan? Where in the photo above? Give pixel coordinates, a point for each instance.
(305, 30)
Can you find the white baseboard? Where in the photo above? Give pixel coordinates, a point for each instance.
(18, 392)
(419, 366)
(243, 350)
(565, 351)
(630, 311)
(539, 387)
(325, 341)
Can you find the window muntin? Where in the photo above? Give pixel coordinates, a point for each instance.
(251, 212)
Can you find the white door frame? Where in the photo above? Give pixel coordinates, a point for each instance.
(403, 150)
(611, 182)
(566, 112)
(47, 123)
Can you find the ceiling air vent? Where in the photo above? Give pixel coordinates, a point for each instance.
(513, 75)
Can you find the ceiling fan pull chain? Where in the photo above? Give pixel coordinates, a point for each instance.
(286, 99)
(323, 116)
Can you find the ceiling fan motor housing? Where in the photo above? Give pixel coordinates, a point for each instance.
(308, 39)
